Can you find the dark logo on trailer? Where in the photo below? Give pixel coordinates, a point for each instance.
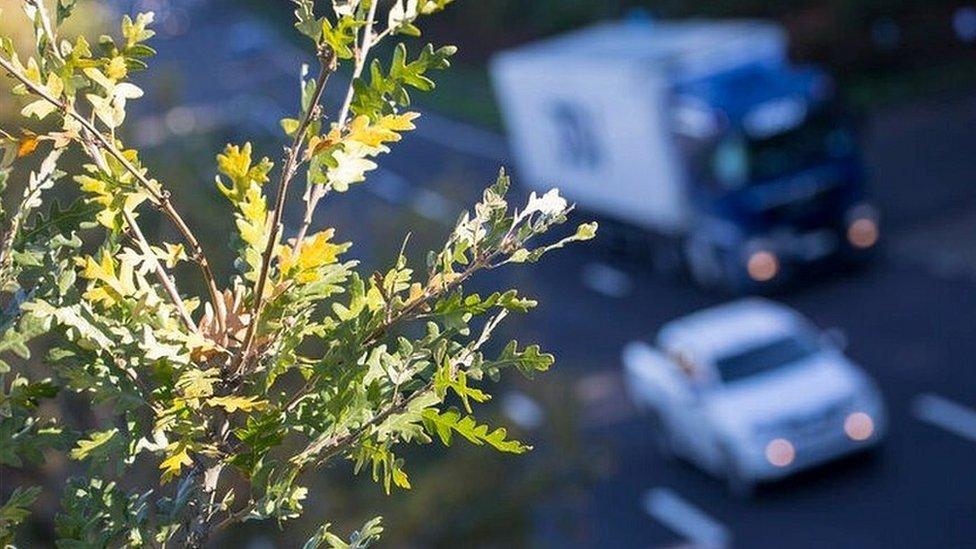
(577, 144)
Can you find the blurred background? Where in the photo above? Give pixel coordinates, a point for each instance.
(902, 75)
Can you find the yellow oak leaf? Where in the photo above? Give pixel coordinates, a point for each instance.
(314, 252)
(108, 284)
(178, 457)
(399, 122)
(174, 254)
(416, 292)
(235, 161)
(234, 403)
(195, 384)
(371, 135)
(27, 145)
(318, 250)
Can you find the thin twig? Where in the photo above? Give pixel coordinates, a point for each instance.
(400, 316)
(335, 446)
(314, 193)
(160, 197)
(327, 61)
(363, 55)
(143, 243)
(306, 222)
(161, 273)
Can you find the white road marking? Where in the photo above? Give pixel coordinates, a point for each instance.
(671, 510)
(434, 206)
(606, 280)
(944, 413)
(389, 186)
(397, 190)
(461, 137)
(446, 132)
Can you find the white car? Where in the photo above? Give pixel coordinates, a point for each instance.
(750, 391)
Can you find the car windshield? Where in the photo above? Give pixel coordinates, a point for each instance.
(765, 357)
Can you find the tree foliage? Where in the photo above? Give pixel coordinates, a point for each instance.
(298, 360)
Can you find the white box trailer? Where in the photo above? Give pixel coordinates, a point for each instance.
(588, 111)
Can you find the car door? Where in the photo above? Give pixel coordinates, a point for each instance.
(688, 420)
(666, 385)
(652, 380)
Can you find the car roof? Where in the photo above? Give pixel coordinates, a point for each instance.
(719, 330)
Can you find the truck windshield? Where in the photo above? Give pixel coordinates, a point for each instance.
(765, 357)
(740, 160)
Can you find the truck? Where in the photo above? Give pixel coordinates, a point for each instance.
(697, 142)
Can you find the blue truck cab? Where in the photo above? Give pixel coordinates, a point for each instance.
(774, 173)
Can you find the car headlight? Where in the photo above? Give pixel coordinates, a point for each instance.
(866, 414)
(780, 452)
(859, 426)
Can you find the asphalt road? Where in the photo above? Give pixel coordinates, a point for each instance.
(910, 318)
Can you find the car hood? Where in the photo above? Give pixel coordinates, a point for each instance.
(809, 386)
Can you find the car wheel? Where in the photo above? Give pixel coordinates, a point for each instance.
(738, 484)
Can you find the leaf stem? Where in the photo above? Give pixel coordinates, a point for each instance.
(47, 28)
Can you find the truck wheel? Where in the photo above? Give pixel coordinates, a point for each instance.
(703, 264)
(736, 482)
(668, 259)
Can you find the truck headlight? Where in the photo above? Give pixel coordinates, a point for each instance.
(863, 233)
(762, 265)
(862, 226)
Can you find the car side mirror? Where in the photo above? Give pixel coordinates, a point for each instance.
(643, 363)
(835, 337)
